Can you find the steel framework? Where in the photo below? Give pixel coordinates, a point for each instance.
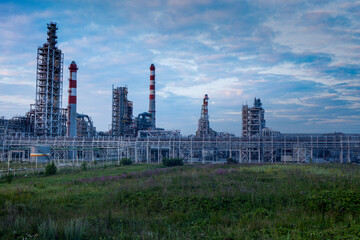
(286, 148)
(49, 118)
(253, 120)
(204, 129)
(122, 111)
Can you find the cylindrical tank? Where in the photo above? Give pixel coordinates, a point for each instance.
(40, 153)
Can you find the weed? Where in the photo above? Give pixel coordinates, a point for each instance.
(335, 202)
(47, 230)
(20, 224)
(74, 230)
(189, 202)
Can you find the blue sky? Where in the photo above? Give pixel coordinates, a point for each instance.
(300, 57)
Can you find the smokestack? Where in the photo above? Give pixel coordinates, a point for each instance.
(152, 97)
(204, 113)
(72, 101)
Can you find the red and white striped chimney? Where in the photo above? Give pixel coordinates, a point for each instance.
(72, 100)
(152, 97)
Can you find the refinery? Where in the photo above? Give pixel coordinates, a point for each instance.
(49, 132)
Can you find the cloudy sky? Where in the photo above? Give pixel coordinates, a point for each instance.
(300, 57)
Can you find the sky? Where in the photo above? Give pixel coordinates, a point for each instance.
(301, 58)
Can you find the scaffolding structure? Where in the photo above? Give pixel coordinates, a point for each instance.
(122, 111)
(253, 120)
(204, 129)
(84, 126)
(300, 148)
(16, 126)
(49, 118)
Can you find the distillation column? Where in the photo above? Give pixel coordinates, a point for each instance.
(204, 129)
(72, 131)
(152, 97)
(48, 111)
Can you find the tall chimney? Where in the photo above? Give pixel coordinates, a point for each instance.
(72, 101)
(152, 97)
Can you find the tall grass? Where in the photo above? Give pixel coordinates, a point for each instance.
(74, 230)
(47, 230)
(231, 201)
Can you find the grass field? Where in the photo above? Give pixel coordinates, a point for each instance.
(187, 202)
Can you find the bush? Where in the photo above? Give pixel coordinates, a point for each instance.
(47, 230)
(231, 161)
(170, 162)
(8, 178)
(74, 230)
(125, 161)
(83, 166)
(50, 169)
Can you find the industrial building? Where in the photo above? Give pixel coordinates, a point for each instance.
(253, 119)
(47, 117)
(204, 129)
(122, 113)
(61, 130)
(123, 123)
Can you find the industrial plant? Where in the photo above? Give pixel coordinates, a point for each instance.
(63, 135)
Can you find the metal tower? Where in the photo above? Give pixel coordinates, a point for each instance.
(253, 120)
(122, 111)
(49, 119)
(204, 129)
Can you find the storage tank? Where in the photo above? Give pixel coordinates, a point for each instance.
(40, 153)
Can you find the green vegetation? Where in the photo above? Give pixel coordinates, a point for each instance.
(50, 169)
(74, 230)
(7, 178)
(231, 161)
(125, 161)
(47, 230)
(84, 166)
(230, 201)
(171, 162)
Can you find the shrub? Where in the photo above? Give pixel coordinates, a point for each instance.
(74, 230)
(170, 162)
(50, 169)
(125, 161)
(231, 161)
(47, 230)
(8, 178)
(83, 166)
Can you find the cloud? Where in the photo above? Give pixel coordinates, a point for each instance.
(300, 57)
(16, 99)
(223, 87)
